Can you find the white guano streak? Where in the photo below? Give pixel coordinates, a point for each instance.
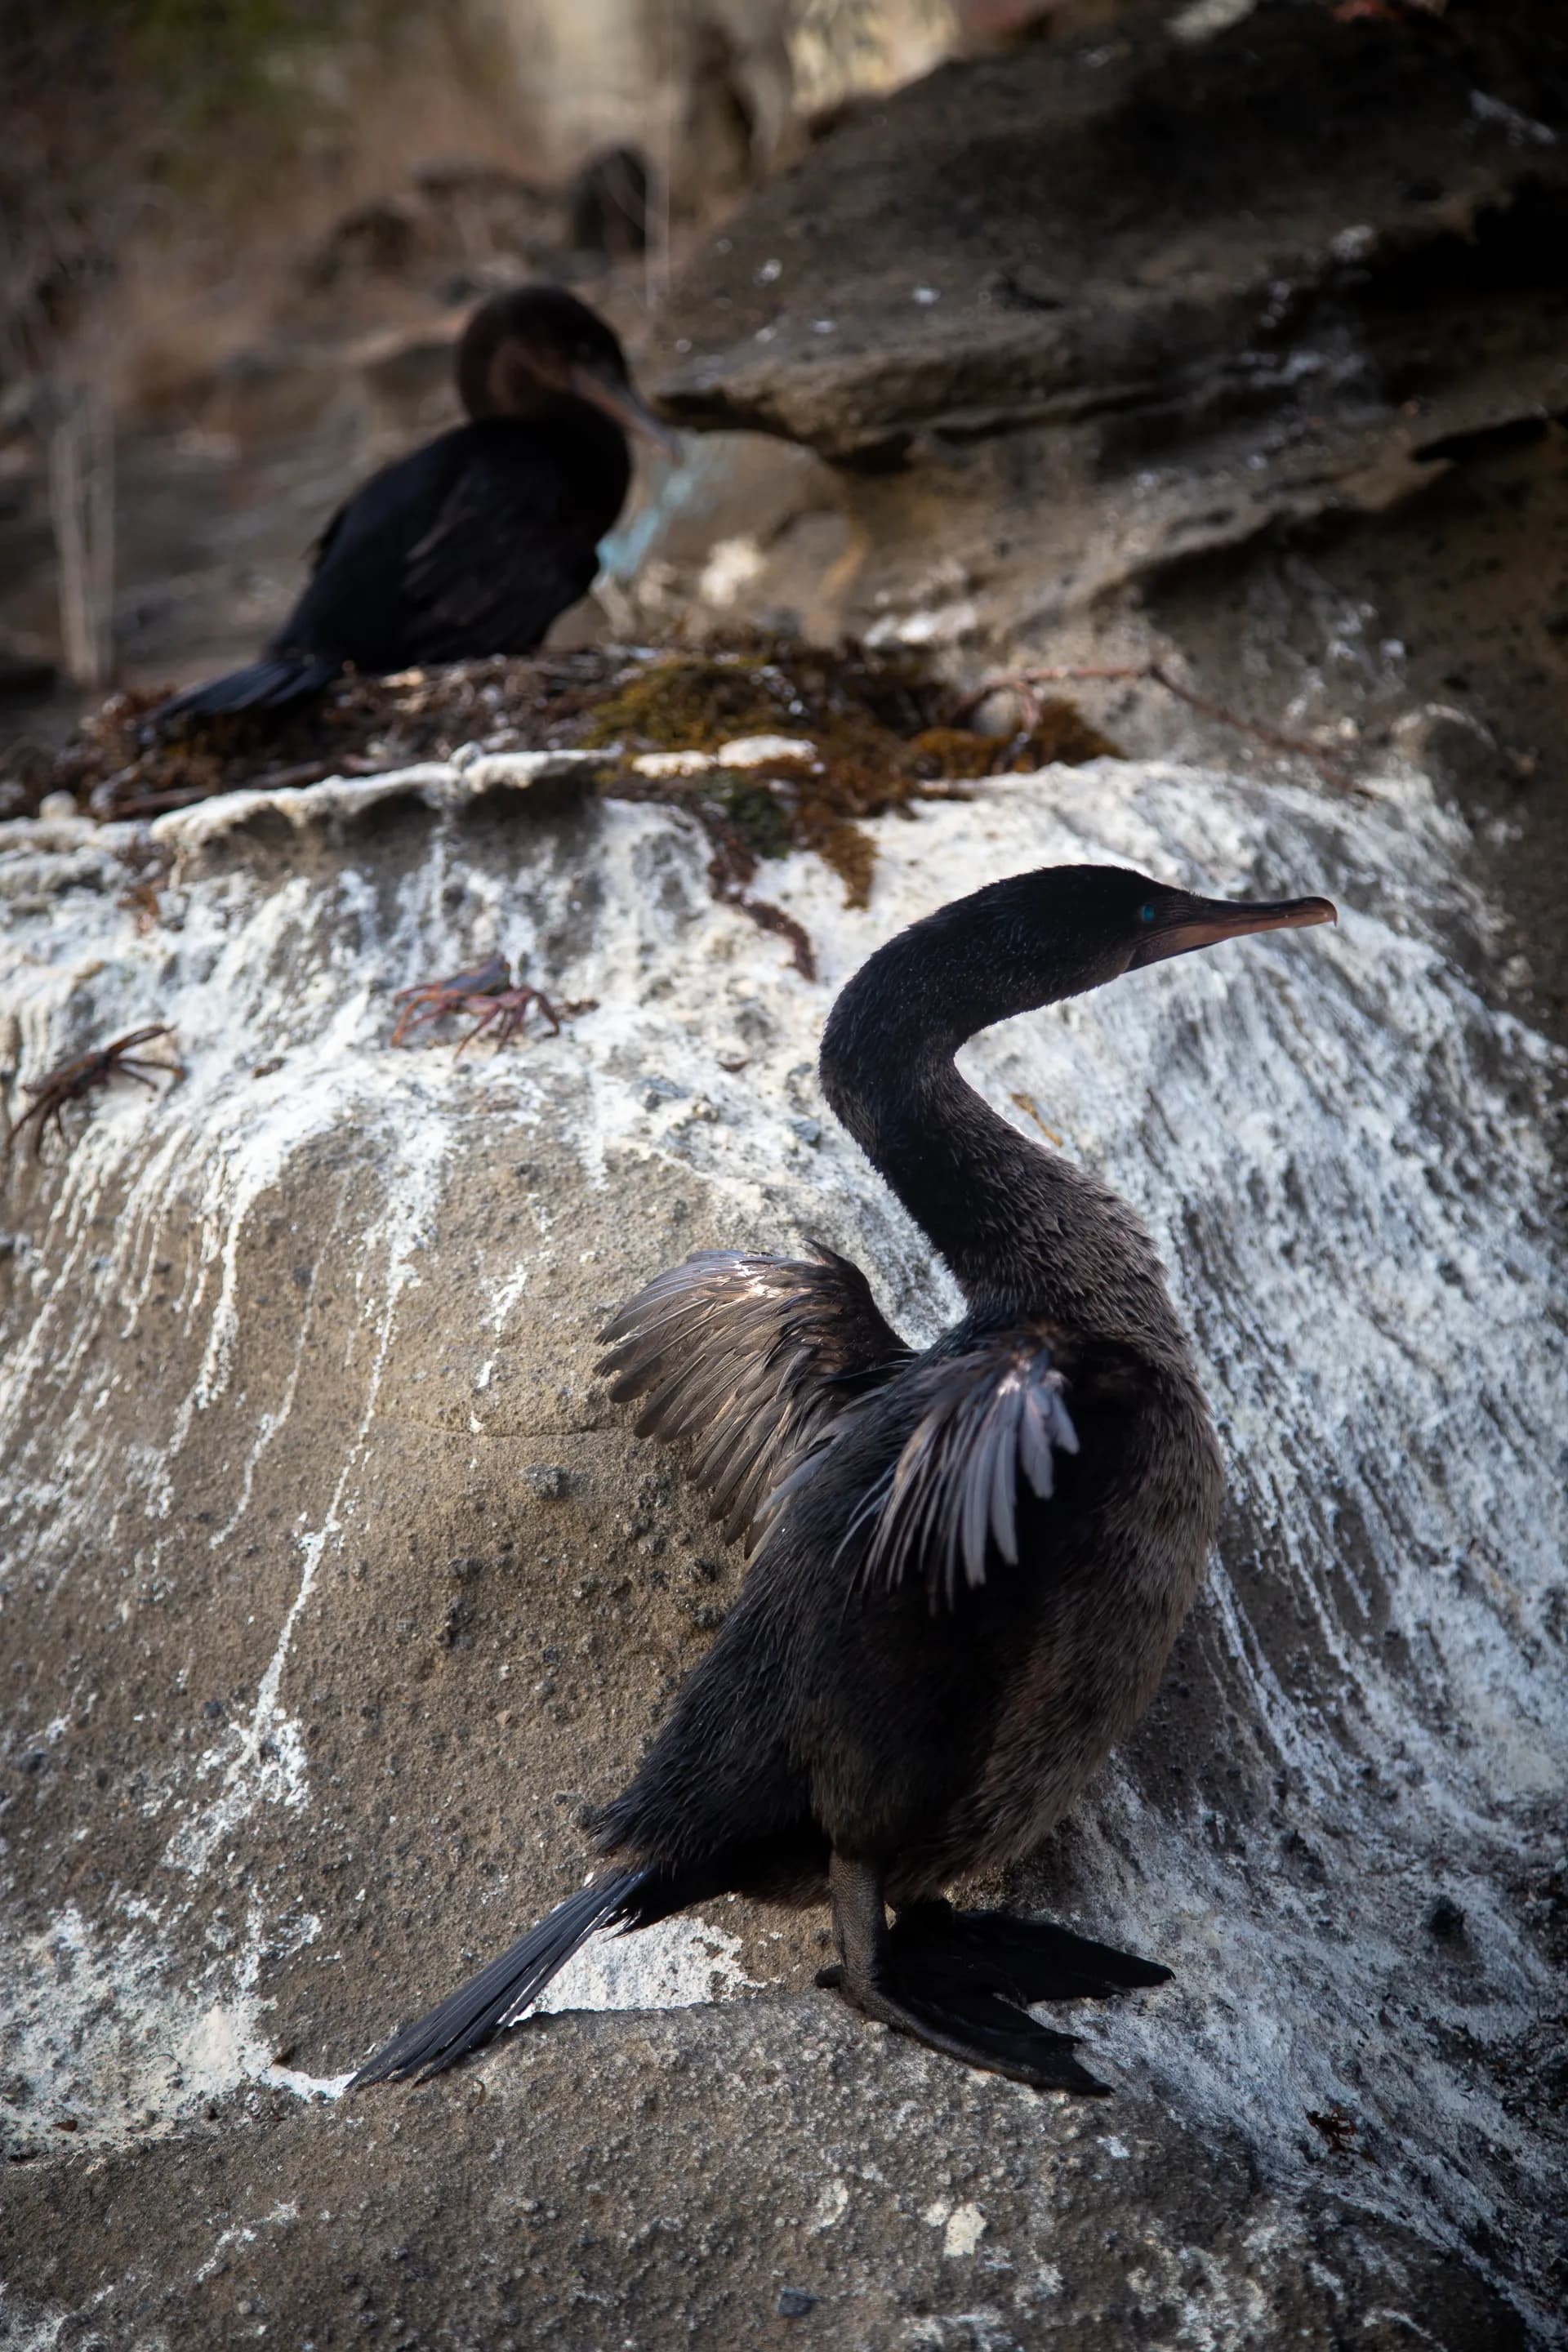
(1337, 1143)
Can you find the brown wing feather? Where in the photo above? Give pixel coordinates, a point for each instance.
(752, 1359)
(991, 1418)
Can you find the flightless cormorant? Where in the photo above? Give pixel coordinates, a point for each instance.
(971, 1559)
(476, 543)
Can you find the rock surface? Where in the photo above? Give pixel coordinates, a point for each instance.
(1147, 228)
(335, 1591)
(1068, 315)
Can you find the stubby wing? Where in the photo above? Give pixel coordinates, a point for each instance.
(506, 554)
(754, 1359)
(354, 604)
(992, 1421)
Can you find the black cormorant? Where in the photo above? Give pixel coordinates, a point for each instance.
(972, 1559)
(474, 544)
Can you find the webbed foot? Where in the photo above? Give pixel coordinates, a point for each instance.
(1028, 1960)
(960, 1981)
(948, 2011)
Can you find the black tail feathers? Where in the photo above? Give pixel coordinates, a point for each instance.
(499, 1994)
(269, 684)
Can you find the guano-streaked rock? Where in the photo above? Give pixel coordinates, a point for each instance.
(335, 1591)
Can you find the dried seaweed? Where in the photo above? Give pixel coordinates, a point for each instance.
(877, 730)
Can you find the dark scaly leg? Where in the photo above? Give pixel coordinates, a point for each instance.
(938, 1997)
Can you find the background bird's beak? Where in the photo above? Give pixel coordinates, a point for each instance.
(1206, 921)
(617, 398)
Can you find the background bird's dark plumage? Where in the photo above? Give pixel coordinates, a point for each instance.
(474, 544)
(477, 541)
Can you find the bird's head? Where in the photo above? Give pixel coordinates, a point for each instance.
(1017, 944)
(1063, 929)
(526, 353)
(1107, 920)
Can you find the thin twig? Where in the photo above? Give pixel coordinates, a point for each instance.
(81, 512)
(1151, 673)
(287, 779)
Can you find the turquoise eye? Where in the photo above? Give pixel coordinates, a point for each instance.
(1146, 913)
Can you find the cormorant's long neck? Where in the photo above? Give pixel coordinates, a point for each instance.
(1024, 1230)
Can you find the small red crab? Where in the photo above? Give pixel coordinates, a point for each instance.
(487, 989)
(69, 1081)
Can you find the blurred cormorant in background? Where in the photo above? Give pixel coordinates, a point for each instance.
(474, 544)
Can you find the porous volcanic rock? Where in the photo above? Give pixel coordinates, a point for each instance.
(335, 1591)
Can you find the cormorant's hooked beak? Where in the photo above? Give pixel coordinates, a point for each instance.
(617, 398)
(1206, 921)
